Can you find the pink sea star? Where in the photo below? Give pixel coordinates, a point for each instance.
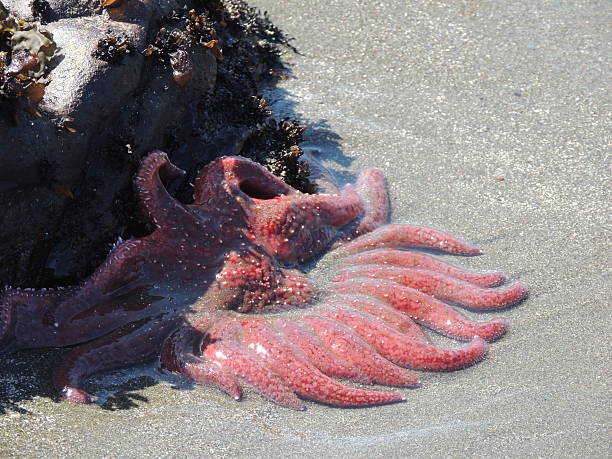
(217, 292)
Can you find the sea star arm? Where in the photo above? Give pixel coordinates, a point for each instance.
(301, 227)
(225, 350)
(425, 309)
(291, 226)
(250, 282)
(382, 311)
(110, 297)
(318, 354)
(352, 348)
(182, 353)
(301, 375)
(399, 235)
(440, 286)
(240, 177)
(408, 259)
(159, 206)
(24, 317)
(370, 186)
(401, 350)
(129, 345)
(372, 189)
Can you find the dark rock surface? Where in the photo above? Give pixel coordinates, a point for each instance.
(65, 176)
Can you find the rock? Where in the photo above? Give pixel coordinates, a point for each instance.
(110, 98)
(97, 120)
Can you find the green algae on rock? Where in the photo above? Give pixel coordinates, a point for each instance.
(37, 41)
(25, 52)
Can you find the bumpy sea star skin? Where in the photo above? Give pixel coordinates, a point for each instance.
(216, 292)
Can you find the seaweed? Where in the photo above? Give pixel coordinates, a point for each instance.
(25, 53)
(17, 91)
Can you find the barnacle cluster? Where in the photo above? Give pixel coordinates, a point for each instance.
(246, 46)
(255, 24)
(41, 9)
(181, 30)
(25, 52)
(113, 48)
(275, 145)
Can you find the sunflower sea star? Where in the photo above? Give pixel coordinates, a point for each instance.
(217, 292)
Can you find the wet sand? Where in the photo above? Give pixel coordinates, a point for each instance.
(491, 121)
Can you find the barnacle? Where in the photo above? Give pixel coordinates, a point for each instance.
(182, 67)
(113, 48)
